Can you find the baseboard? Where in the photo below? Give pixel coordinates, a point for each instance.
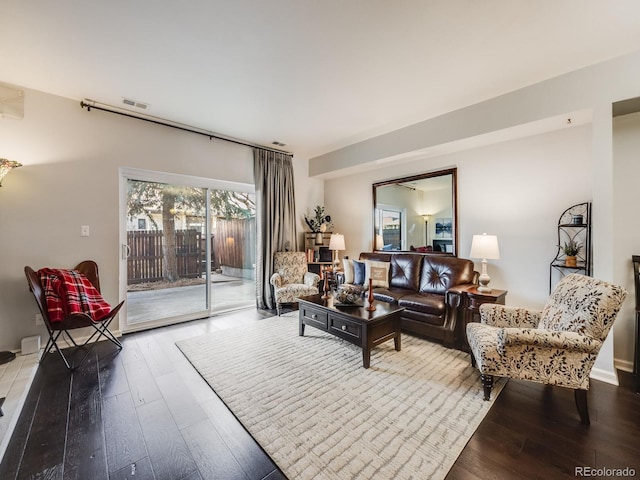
(604, 376)
(624, 365)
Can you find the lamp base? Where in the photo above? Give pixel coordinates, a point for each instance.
(6, 357)
(484, 279)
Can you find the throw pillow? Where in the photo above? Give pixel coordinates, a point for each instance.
(347, 267)
(378, 271)
(358, 272)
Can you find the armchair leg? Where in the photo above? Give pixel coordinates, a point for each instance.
(487, 385)
(278, 309)
(581, 403)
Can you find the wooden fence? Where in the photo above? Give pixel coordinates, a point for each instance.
(232, 245)
(146, 258)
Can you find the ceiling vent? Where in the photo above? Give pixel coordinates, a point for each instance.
(278, 144)
(134, 103)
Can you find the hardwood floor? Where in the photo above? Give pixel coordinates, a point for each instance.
(145, 413)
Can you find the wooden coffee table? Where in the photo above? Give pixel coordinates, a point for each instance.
(353, 324)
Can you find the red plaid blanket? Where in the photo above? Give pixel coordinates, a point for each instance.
(68, 291)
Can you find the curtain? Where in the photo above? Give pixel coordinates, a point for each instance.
(275, 216)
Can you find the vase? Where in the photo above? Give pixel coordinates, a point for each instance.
(325, 287)
(571, 261)
(318, 238)
(370, 306)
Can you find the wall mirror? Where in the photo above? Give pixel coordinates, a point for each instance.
(416, 213)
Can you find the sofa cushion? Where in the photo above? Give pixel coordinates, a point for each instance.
(358, 272)
(442, 272)
(390, 295)
(378, 272)
(431, 303)
(404, 271)
(347, 268)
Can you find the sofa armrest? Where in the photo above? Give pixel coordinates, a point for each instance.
(503, 316)
(276, 280)
(453, 295)
(547, 338)
(311, 279)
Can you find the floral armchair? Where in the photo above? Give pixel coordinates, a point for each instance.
(555, 346)
(291, 279)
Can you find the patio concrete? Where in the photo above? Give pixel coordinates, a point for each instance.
(227, 293)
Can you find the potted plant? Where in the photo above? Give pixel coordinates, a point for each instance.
(318, 223)
(571, 249)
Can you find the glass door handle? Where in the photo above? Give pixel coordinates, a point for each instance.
(126, 251)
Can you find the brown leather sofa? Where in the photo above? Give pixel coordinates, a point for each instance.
(430, 287)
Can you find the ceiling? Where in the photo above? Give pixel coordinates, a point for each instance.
(316, 75)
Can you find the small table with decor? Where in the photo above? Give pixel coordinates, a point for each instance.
(354, 324)
(472, 301)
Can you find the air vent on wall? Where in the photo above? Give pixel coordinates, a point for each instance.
(134, 103)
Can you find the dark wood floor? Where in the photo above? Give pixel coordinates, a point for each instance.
(146, 414)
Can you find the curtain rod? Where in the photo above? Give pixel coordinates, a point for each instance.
(89, 104)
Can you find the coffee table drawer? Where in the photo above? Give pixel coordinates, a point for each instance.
(344, 328)
(314, 317)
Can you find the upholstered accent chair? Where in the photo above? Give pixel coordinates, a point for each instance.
(555, 346)
(291, 279)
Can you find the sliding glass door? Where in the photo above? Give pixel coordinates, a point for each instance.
(233, 249)
(188, 250)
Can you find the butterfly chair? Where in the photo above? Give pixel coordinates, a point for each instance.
(555, 346)
(89, 269)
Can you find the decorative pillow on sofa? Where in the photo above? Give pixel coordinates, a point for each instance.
(358, 272)
(347, 267)
(378, 271)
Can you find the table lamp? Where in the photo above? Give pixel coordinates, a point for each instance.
(336, 243)
(485, 247)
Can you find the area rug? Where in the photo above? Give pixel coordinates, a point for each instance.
(320, 415)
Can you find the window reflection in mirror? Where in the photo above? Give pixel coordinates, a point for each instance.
(416, 213)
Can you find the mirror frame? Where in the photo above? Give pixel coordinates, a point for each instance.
(454, 205)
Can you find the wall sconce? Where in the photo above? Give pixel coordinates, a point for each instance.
(6, 166)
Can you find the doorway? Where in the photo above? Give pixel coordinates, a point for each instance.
(188, 248)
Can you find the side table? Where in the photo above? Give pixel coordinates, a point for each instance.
(473, 300)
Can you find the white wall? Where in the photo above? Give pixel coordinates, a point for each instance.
(516, 190)
(71, 159)
(309, 193)
(588, 94)
(626, 145)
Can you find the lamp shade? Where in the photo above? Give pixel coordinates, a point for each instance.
(6, 166)
(485, 246)
(336, 242)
